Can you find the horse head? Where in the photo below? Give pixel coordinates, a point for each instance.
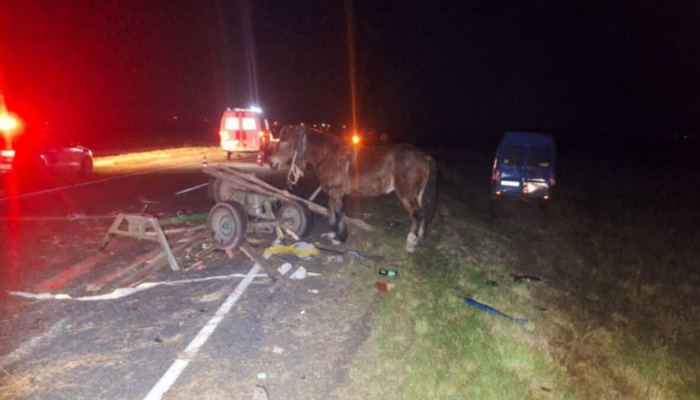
(290, 148)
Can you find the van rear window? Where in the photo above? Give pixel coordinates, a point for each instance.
(539, 157)
(232, 124)
(514, 156)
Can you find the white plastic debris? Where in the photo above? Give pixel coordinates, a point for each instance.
(262, 375)
(286, 267)
(299, 274)
(124, 292)
(304, 246)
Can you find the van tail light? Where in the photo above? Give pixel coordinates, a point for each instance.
(8, 153)
(552, 181)
(495, 177)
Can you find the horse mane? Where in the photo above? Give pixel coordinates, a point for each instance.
(320, 137)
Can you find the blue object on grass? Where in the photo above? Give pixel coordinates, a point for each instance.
(490, 310)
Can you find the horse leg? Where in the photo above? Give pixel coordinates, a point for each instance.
(342, 227)
(421, 230)
(414, 210)
(336, 218)
(332, 220)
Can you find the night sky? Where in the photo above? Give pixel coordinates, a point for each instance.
(122, 69)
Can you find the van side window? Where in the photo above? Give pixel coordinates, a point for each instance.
(539, 157)
(514, 156)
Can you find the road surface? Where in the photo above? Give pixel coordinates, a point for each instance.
(206, 339)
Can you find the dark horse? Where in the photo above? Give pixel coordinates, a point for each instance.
(344, 171)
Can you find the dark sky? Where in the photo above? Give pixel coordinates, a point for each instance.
(126, 67)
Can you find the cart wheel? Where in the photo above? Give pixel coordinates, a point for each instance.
(228, 224)
(210, 190)
(296, 217)
(221, 190)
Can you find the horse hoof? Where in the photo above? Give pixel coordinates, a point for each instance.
(328, 235)
(410, 249)
(336, 242)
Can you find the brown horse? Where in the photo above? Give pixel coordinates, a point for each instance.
(345, 171)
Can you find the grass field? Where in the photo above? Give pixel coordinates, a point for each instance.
(614, 317)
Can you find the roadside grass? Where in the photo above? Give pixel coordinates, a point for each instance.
(620, 288)
(427, 343)
(154, 155)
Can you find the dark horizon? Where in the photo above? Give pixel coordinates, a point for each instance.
(580, 71)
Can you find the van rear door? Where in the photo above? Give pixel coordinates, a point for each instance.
(512, 169)
(539, 166)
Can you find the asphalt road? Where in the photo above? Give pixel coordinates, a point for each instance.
(144, 345)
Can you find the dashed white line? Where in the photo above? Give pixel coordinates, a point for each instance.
(171, 375)
(192, 188)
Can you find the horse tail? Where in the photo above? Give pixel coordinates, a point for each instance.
(430, 193)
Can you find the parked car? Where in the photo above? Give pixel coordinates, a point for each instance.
(524, 167)
(30, 155)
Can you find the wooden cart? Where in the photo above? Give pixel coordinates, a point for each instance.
(245, 202)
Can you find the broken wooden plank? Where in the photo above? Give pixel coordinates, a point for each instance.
(78, 269)
(271, 271)
(114, 275)
(159, 261)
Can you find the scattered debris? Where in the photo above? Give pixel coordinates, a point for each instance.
(263, 263)
(388, 272)
(299, 249)
(278, 350)
(314, 291)
(78, 269)
(262, 375)
(521, 278)
(76, 216)
(492, 283)
(355, 254)
(299, 274)
(383, 286)
(159, 261)
(490, 310)
(291, 233)
(284, 268)
(335, 258)
(196, 265)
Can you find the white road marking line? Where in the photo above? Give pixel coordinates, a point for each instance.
(192, 188)
(171, 375)
(100, 181)
(25, 348)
